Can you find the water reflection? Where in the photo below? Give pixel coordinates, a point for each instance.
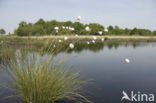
(7, 53)
(100, 62)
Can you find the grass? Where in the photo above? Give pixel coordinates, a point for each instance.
(39, 79)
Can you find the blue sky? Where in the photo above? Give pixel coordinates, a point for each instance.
(124, 13)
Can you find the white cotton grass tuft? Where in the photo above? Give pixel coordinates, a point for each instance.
(100, 32)
(88, 42)
(127, 60)
(65, 38)
(71, 45)
(87, 28)
(56, 28)
(71, 28)
(93, 41)
(76, 35)
(102, 39)
(94, 37)
(67, 27)
(54, 45)
(79, 18)
(60, 41)
(63, 27)
(106, 30)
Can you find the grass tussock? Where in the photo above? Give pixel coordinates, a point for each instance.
(39, 80)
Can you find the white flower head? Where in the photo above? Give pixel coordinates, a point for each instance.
(65, 38)
(79, 18)
(87, 28)
(72, 29)
(93, 41)
(127, 60)
(106, 30)
(94, 37)
(76, 35)
(56, 28)
(102, 39)
(71, 45)
(63, 27)
(54, 45)
(88, 42)
(67, 27)
(60, 41)
(100, 32)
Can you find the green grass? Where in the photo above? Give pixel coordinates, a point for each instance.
(37, 79)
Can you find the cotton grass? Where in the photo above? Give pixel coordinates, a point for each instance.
(43, 79)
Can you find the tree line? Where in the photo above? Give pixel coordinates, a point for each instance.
(54, 27)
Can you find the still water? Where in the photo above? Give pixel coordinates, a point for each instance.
(111, 75)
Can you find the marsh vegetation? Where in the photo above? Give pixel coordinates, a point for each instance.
(37, 69)
(36, 76)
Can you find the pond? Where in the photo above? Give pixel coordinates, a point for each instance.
(104, 63)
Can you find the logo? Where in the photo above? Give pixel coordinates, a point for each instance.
(137, 97)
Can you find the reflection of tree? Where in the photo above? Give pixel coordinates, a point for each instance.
(48, 48)
(92, 47)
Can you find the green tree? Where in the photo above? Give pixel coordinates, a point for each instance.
(154, 33)
(116, 30)
(79, 28)
(22, 24)
(134, 31)
(110, 29)
(42, 27)
(127, 31)
(40, 22)
(95, 28)
(2, 31)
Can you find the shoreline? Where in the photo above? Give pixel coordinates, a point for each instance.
(88, 37)
(85, 36)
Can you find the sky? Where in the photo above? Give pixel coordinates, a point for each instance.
(124, 13)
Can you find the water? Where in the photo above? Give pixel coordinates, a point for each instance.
(111, 75)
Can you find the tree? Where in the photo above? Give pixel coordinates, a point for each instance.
(2, 31)
(40, 22)
(22, 24)
(154, 33)
(42, 27)
(134, 31)
(79, 28)
(95, 28)
(127, 31)
(116, 30)
(110, 29)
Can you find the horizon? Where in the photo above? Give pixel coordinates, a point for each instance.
(123, 13)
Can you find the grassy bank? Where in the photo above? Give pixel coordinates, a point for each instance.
(82, 38)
